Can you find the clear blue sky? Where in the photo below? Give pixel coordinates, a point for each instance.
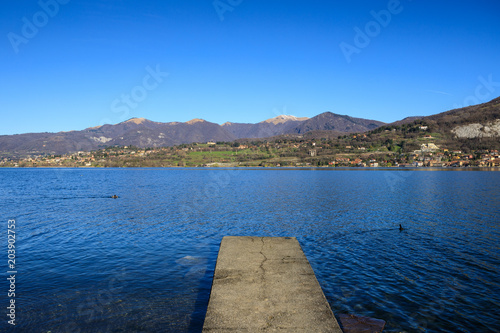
(241, 61)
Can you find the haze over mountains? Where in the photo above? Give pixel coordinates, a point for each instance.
(474, 122)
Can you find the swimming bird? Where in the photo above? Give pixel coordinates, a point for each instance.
(401, 228)
(114, 196)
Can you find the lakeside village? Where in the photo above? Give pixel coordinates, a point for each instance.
(277, 153)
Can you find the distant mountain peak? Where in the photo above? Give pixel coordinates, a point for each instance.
(283, 118)
(195, 120)
(136, 120)
(329, 121)
(330, 113)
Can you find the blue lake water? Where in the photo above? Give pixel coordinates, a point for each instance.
(144, 262)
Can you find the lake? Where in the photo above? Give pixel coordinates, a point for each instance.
(144, 262)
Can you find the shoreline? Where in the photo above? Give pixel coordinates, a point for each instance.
(273, 168)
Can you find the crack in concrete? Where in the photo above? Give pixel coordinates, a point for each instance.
(261, 267)
(265, 258)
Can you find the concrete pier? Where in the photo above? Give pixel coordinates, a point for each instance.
(266, 284)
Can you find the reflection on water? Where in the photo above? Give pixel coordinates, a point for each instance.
(144, 262)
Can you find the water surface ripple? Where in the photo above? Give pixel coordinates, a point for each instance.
(144, 262)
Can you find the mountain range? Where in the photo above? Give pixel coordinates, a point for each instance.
(142, 132)
(477, 122)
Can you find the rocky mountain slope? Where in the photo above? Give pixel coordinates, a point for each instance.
(476, 121)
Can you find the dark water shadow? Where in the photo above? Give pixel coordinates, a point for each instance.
(201, 304)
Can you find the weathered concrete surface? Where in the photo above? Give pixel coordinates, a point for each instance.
(266, 284)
